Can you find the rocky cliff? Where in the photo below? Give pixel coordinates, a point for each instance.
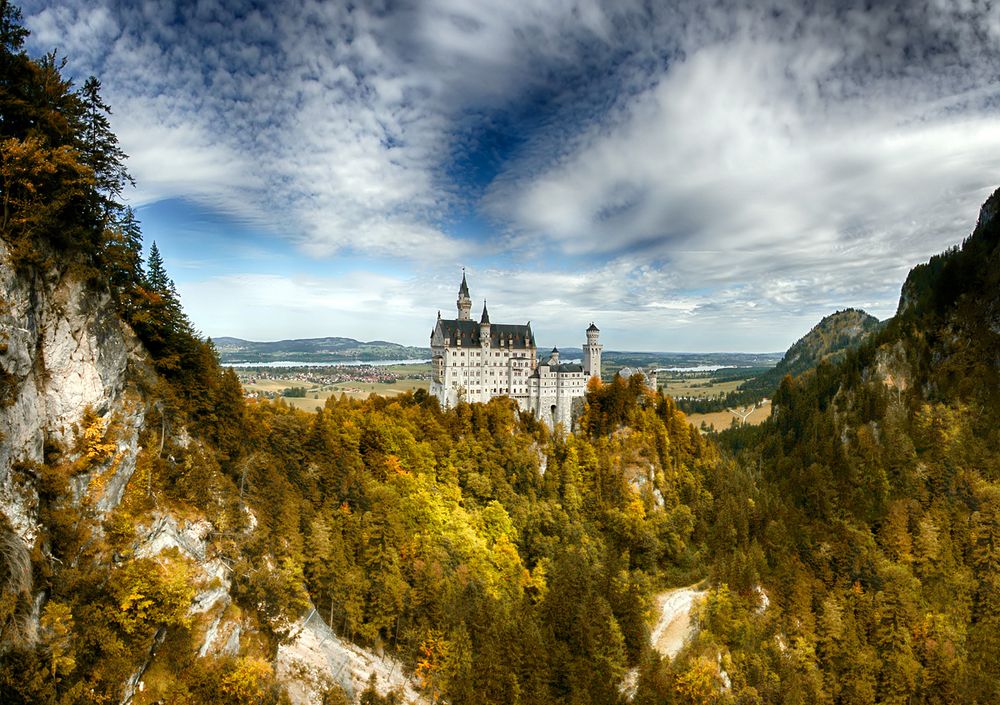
(63, 351)
(72, 375)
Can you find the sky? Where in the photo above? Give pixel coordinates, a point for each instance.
(690, 176)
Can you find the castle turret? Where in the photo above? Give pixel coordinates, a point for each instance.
(592, 353)
(464, 301)
(484, 327)
(554, 357)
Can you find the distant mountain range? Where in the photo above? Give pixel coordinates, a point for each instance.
(332, 350)
(336, 349)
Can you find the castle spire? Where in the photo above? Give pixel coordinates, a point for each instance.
(464, 302)
(486, 314)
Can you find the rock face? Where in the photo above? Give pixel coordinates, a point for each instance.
(673, 627)
(62, 349)
(217, 626)
(315, 658)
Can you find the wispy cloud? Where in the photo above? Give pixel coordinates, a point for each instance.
(680, 169)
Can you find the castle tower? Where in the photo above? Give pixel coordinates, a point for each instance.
(592, 353)
(484, 327)
(464, 301)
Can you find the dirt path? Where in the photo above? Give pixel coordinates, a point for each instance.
(674, 626)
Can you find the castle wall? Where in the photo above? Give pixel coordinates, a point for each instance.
(478, 375)
(552, 393)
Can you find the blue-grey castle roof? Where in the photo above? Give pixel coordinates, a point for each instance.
(518, 337)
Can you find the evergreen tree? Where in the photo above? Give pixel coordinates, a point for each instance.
(156, 271)
(14, 64)
(12, 32)
(165, 329)
(172, 315)
(100, 151)
(123, 262)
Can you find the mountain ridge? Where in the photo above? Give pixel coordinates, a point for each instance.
(329, 348)
(827, 341)
(875, 497)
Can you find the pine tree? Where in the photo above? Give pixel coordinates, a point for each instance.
(122, 259)
(156, 272)
(230, 414)
(100, 151)
(160, 321)
(12, 32)
(160, 284)
(14, 65)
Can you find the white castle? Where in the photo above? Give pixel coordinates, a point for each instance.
(478, 361)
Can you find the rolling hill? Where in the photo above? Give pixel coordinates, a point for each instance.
(330, 349)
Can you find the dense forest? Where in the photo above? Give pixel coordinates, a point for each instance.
(874, 505)
(850, 545)
(503, 562)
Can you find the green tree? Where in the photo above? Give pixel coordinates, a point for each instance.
(99, 149)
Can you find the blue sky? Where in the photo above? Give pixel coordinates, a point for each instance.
(691, 176)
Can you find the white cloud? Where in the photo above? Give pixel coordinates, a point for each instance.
(680, 169)
(786, 165)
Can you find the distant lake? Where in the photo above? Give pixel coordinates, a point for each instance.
(341, 363)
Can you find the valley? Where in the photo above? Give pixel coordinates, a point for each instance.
(301, 522)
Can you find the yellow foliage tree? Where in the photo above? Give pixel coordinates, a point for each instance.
(431, 669)
(152, 593)
(248, 681)
(40, 183)
(699, 685)
(57, 632)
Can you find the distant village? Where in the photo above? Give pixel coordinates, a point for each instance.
(320, 377)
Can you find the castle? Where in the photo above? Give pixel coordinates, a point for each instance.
(478, 361)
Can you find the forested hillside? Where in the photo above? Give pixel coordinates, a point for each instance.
(871, 512)
(828, 341)
(161, 539)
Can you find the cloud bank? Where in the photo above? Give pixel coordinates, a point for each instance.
(698, 175)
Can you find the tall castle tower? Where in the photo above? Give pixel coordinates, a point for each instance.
(464, 301)
(592, 353)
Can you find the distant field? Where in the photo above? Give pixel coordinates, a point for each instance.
(721, 420)
(695, 386)
(710, 385)
(410, 369)
(276, 385)
(363, 389)
(316, 395)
